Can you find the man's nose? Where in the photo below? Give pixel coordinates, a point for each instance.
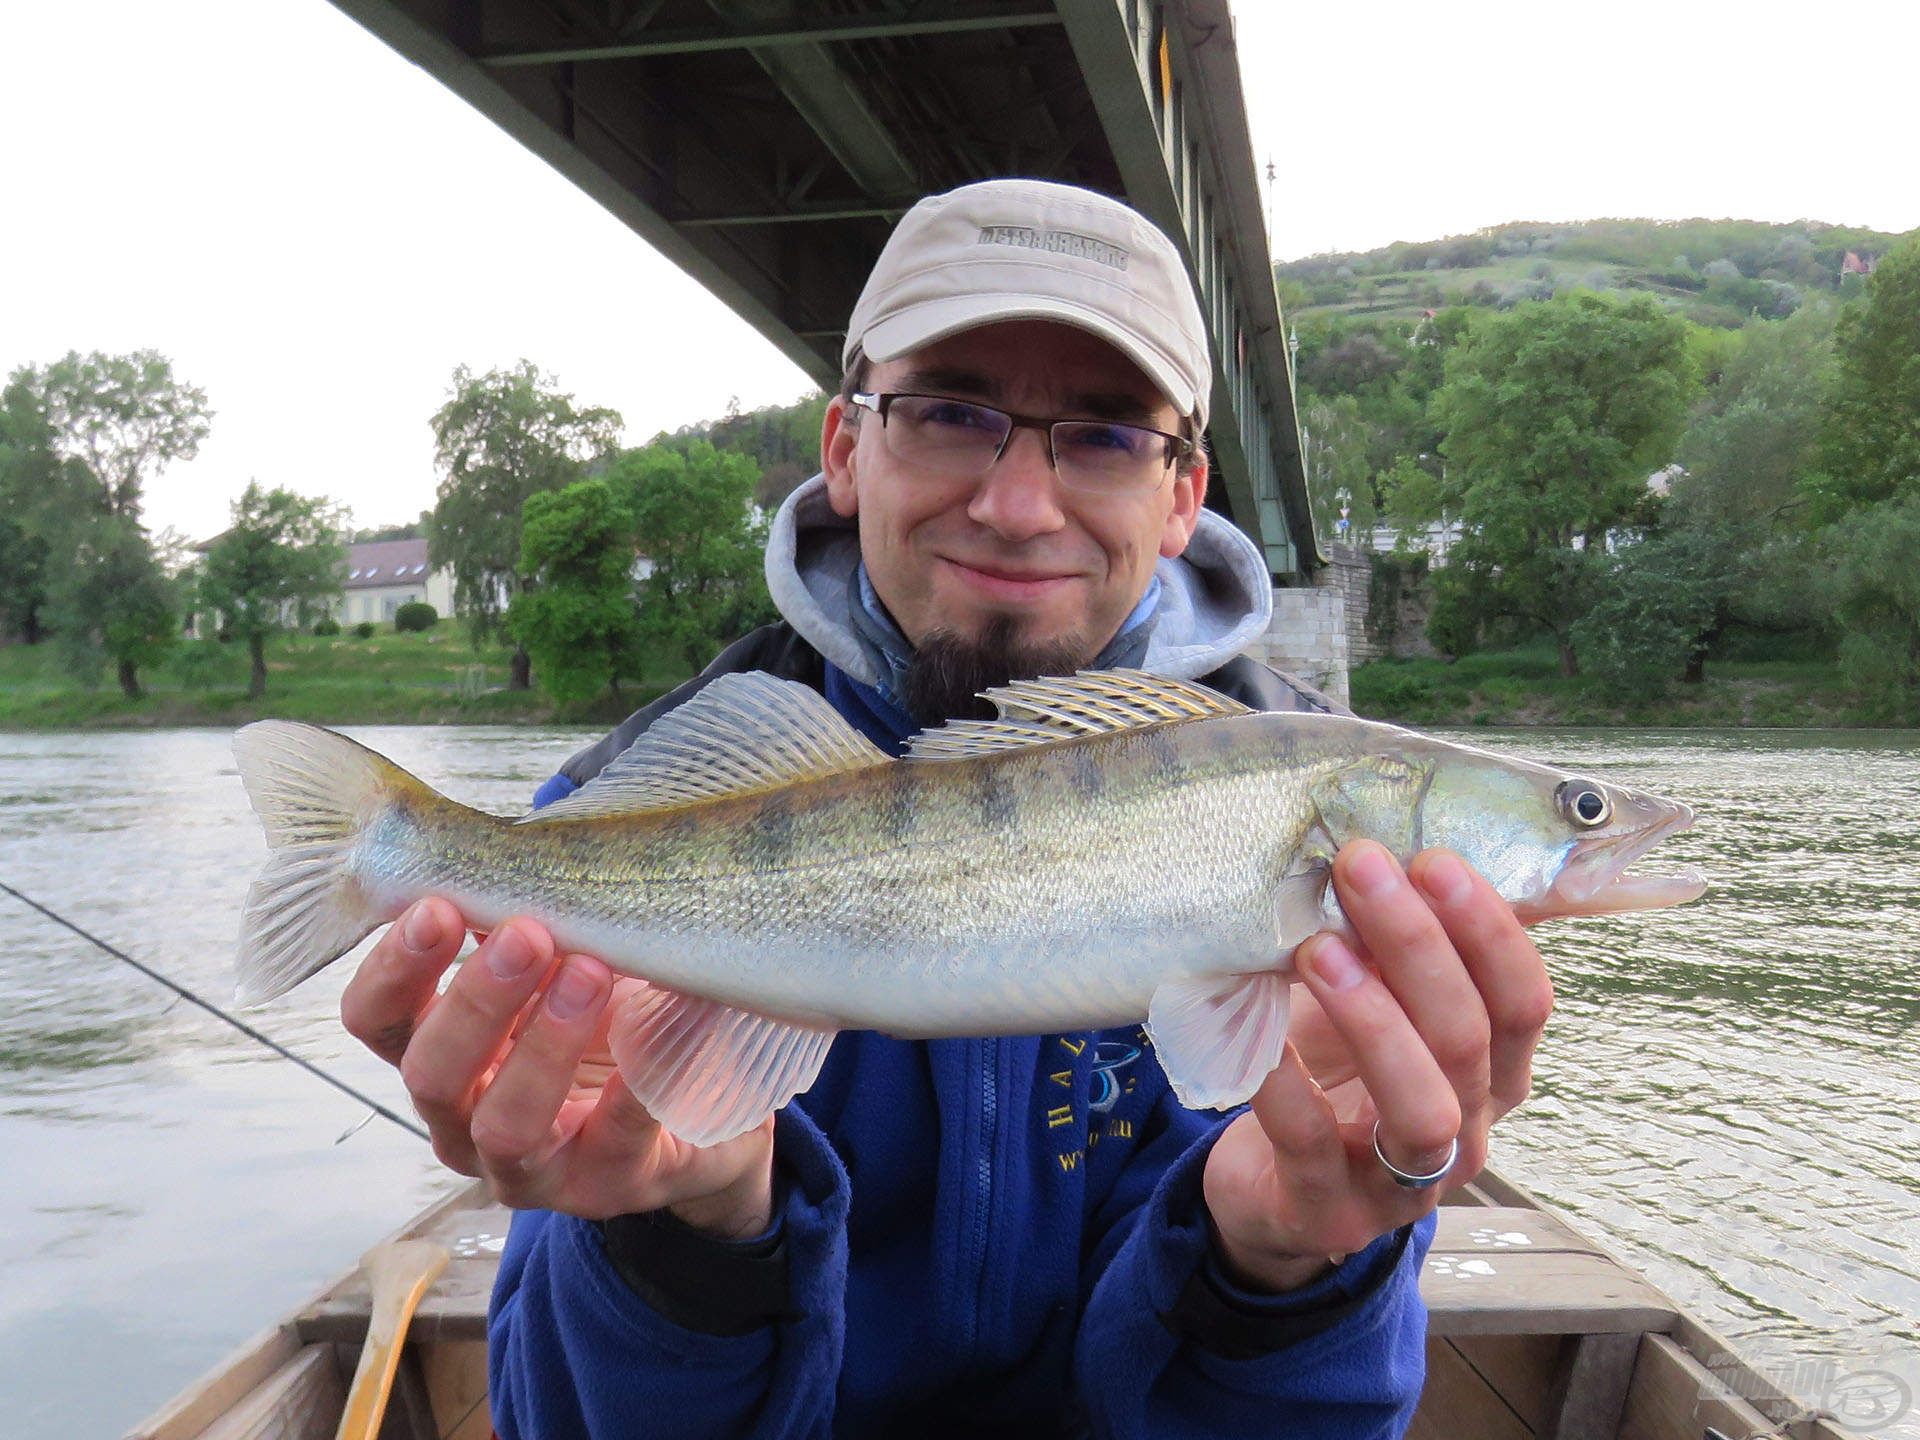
(1019, 497)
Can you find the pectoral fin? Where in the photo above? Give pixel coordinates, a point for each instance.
(1218, 1038)
(709, 1072)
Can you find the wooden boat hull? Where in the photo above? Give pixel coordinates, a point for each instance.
(1536, 1333)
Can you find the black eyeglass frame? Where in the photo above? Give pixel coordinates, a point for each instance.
(1179, 447)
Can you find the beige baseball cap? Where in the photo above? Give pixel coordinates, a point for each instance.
(1036, 250)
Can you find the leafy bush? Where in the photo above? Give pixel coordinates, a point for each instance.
(364, 630)
(326, 625)
(1386, 690)
(415, 615)
(1876, 593)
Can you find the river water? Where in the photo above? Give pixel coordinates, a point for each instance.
(1728, 1094)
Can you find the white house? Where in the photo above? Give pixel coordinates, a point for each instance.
(383, 575)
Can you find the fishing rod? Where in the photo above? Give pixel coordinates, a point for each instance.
(214, 1010)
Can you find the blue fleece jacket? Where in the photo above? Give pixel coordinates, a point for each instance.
(987, 1232)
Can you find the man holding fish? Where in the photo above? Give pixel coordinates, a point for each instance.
(1028, 1232)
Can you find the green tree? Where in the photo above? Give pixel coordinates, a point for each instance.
(112, 600)
(124, 417)
(1555, 414)
(1660, 604)
(575, 611)
(1870, 449)
(1334, 443)
(28, 470)
(1875, 590)
(1754, 439)
(705, 543)
(97, 429)
(499, 438)
(279, 560)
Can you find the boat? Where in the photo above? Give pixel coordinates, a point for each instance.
(1536, 1332)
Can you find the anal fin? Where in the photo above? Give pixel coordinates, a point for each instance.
(1219, 1037)
(709, 1072)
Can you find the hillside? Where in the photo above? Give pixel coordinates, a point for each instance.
(1715, 272)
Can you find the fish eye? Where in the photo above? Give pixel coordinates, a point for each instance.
(1584, 803)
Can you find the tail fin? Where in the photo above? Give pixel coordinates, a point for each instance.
(315, 793)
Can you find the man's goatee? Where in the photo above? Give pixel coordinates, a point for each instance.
(948, 671)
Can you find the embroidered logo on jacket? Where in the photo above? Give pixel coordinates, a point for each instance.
(1109, 1086)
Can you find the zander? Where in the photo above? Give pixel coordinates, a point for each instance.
(1114, 845)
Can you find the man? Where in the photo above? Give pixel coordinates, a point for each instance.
(1025, 1233)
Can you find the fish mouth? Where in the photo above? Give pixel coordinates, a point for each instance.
(1596, 879)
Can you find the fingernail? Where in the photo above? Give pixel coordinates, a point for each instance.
(509, 953)
(1337, 966)
(1445, 879)
(422, 930)
(572, 993)
(1371, 870)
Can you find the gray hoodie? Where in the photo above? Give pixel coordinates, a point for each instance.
(1215, 599)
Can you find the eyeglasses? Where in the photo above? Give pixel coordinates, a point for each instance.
(960, 440)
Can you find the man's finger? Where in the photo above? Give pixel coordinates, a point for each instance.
(1420, 1113)
(1504, 963)
(513, 1128)
(1418, 962)
(395, 985)
(1299, 1123)
(462, 1035)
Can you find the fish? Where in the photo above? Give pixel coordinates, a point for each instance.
(1114, 845)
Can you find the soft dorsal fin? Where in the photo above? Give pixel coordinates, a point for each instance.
(1094, 702)
(744, 732)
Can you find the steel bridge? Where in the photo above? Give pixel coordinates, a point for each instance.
(766, 146)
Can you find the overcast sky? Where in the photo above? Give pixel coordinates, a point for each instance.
(316, 232)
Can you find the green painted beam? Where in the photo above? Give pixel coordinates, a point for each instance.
(818, 32)
(1177, 135)
(811, 79)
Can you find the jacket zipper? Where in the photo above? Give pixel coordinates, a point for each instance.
(983, 1179)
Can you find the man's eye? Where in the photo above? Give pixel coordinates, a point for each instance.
(1123, 439)
(958, 415)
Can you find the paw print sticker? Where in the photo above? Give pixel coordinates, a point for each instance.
(1498, 1239)
(1448, 1266)
(468, 1246)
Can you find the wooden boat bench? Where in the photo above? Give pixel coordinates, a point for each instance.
(1536, 1333)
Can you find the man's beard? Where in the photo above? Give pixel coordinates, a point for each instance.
(948, 671)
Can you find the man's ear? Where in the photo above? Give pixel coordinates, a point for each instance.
(1189, 494)
(839, 434)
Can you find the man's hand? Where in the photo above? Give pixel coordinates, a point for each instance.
(1430, 1030)
(512, 1071)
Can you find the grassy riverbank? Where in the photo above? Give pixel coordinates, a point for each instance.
(387, 679)
(1525, 687)
(439, 678)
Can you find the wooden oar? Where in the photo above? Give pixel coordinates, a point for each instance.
(398, 1273)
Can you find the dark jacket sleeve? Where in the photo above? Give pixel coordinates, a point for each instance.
(574, 1351)
(1169, 1345)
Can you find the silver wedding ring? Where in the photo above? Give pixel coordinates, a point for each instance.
(1415, 1182)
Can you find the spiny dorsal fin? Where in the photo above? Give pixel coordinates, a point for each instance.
(744, 732)
(1094, 702)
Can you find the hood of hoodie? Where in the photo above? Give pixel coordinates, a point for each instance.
(1215, 599)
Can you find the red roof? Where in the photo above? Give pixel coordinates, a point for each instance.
(378, 563)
